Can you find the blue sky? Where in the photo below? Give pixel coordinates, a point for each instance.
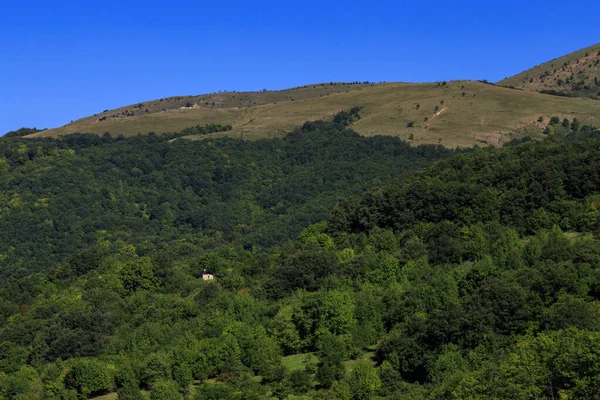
(63, 60)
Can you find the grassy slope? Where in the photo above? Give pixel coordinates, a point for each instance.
(578, 65)
(485, 114)
(131, 118)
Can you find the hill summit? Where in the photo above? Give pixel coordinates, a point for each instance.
(575, 75)
(455, 113)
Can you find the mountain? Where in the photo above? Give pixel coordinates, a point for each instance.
(577, 74)
(457, 113)
(344, 265)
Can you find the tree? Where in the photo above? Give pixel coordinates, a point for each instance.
(332, 352)
(89, 377)
(300, 381)
(138, 275)
(157, 367)
(164, 390)
(284, 330)
(128, 383)
(182, 375)
(328, 373)
(363, 380)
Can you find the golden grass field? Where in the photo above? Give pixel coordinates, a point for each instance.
(459, 113)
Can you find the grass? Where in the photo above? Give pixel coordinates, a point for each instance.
(110, 396)
(472, 113)
(131, 120)
(580, 64)
(368, 356)
(296, 361)
(115, 396)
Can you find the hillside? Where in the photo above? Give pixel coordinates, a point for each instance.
(477, 278)
(459, 113)
(253, 192)
(174, 112)
(577, 74)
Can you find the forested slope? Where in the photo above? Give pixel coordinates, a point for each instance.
(61, 196)
(476, 278)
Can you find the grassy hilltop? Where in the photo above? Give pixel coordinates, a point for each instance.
(577, 74)
(457, 113)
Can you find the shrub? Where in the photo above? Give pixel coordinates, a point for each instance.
(89, 377)
(300, 382)
(164, 390)
(363, 381)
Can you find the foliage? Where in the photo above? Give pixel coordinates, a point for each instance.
(22, 132)
(478, 277)
(88, 377)
(60, 197)
(363, 381)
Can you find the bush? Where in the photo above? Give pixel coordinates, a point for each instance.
(363, 381)
(89, 377)
(164, 390)
(300, 382)
(410, 124)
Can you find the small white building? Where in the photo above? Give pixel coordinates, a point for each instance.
(206, 276)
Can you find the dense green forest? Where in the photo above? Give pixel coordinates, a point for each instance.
(476, 278)
(59, 197)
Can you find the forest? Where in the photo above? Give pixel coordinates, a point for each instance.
(345, 267)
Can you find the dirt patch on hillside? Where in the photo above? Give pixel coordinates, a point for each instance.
(496, 139)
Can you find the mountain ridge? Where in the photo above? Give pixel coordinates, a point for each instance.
(576, 74)
(460, 113)
(455, 113)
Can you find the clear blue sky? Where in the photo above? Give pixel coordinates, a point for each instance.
(62, 60)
